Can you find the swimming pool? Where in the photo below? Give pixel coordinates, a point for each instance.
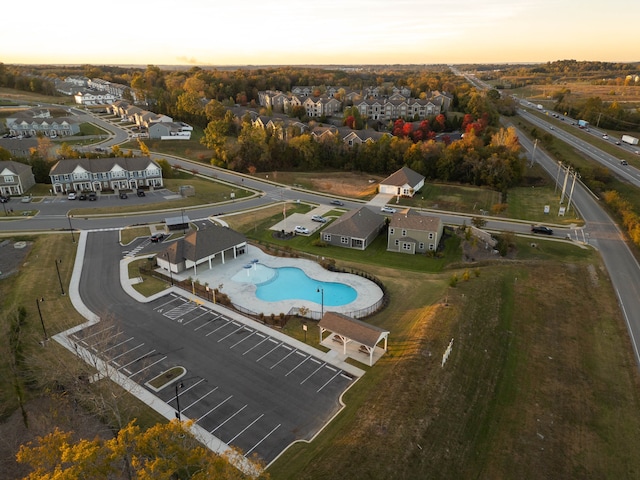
(291, 283)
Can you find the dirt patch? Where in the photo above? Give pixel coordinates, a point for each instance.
(343, 184)
(12, 255)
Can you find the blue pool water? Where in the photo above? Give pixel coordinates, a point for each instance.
(290, 283)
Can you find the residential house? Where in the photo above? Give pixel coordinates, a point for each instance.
(95, 174)
(209, 246)
(19, 147)
(404, 182)
(15, 178)
(88, 97)
(412, 232)
(355, 229)
(170, 131)
(30, 123)
(358, 137)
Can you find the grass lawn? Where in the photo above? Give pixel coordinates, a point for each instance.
(207, 191)
(535, 374)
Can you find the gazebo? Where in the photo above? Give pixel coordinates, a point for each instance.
(357, 338)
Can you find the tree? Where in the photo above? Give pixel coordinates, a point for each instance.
(164, 451)
(144, 150)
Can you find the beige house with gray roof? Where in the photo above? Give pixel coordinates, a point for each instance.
(403, 183)
(412, 232)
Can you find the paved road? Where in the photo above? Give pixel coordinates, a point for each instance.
(604, 234)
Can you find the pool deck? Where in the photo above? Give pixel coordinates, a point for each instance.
(243, 293)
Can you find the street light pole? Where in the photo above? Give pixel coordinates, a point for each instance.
(59, 279)
(184, 228)
(38, 300)
(178, 385)
(73, 239)
(321, 292)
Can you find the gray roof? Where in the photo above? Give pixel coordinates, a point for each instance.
(357, 223)
(202, 244)
(15, 167)
(404, 176)
(96, 165)
(356, 330)
(411, 220)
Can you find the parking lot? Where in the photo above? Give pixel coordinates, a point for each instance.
(247, 385)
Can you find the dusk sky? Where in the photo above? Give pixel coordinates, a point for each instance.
(288, 32)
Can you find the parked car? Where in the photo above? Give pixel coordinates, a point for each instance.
(336, 202)
(71, 196)
(319, 219)
(623, 162)
(388, 210)
(82, 196)
(541, 229)
(303, 230)
(157, 237)
(123, 195)
(26, 199)
(4, 199)
(140, 192)
(93, 196)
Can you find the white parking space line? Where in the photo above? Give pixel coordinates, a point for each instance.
(171, 300)
(237, 412)
(205, 323)
(242, 327)
(282, 359)
(127, 351)
(262, 440)
(185, 390)
(117, 345)
(221, 326)
(245, 429)
(195, 318)
(240, 341)
(139, 358)
(328, 381)
(180, 310)
(312, 374)
(294, 368)
(84, 339)
(148, 366)
(202, 416)
(94, 345)
(256, 345)
(199, 399)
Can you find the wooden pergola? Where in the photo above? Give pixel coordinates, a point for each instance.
(350, 332)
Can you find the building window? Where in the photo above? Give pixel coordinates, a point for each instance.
(430, 235)
(8, 179)
(421, 246)
(344, 240)
(396, 242)
(431, 246)
(391, 231)
(406, 246)
(326, 237)
(404, 232)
